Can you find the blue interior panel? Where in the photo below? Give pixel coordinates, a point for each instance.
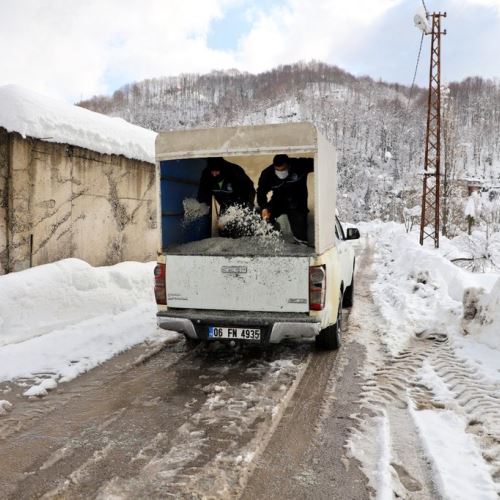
(179, 180)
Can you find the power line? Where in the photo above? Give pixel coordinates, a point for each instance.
(416, 70)
(425, 7)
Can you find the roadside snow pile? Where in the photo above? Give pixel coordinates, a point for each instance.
(481, 326)
(420, 293)
(482, 315)
(32, 114)
(49, 297)
(431, 395)
(62, 319)
(5, 406)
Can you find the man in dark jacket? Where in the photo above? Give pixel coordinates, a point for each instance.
(287, 179)
(227, 182)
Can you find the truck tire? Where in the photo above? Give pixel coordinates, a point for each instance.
(349, 293)
(329, 337)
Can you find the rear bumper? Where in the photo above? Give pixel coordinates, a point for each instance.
(275, 327)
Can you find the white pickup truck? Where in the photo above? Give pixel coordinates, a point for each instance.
(213, 288)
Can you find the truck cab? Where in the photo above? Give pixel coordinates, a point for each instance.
(252, 288)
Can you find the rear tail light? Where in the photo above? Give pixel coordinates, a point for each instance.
(160, 284)
(317, 288)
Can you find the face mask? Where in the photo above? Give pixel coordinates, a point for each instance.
(282, 174)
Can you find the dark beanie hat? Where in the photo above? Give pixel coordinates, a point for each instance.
(279, 160)
(215, 163)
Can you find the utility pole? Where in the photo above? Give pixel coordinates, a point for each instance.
(429, 220)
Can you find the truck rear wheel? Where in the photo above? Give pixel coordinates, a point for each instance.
(348, 295)
(329, 337)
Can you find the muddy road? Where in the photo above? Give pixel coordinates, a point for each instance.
(191, 422)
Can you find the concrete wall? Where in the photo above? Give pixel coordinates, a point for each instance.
(4, 170)
(65, 201)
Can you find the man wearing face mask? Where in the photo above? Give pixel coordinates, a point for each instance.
(286, 178)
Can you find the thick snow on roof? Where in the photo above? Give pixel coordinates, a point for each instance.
(35, 115)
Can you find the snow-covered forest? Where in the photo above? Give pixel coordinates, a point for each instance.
(378, 129)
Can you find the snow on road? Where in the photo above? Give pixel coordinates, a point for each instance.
(210, 455)
(376, 457)
(432, 376)
(429, 423)
(188, 421)
(458, 466)
(60, 320)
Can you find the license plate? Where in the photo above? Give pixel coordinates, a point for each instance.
(217, 332)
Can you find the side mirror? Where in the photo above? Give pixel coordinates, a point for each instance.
(352, 233)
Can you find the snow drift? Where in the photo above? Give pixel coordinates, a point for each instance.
(419, 292)
(60, 320)
(482, 315)
(37, 301)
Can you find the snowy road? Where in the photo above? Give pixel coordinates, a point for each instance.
(181, 422)
(394, 413)
(176, 421)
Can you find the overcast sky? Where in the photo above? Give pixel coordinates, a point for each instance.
(77, 48)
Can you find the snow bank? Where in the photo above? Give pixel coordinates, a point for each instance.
(482, 318)
(450, 383)
(50, 297)
(32, 114)
(60, 320)
(66, 353)
(420, 292)
(411, 258)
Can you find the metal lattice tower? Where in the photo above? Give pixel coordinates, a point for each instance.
(429, 221)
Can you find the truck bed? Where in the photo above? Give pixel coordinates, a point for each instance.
(246, 246)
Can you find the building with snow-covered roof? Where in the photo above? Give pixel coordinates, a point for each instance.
(73, 183)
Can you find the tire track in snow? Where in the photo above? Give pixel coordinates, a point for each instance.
(383, 422)
(475, 398)
(478, 401)
(395, 380)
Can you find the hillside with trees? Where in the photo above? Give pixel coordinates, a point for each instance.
(377, 127)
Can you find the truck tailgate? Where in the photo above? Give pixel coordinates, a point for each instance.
(271, 284)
